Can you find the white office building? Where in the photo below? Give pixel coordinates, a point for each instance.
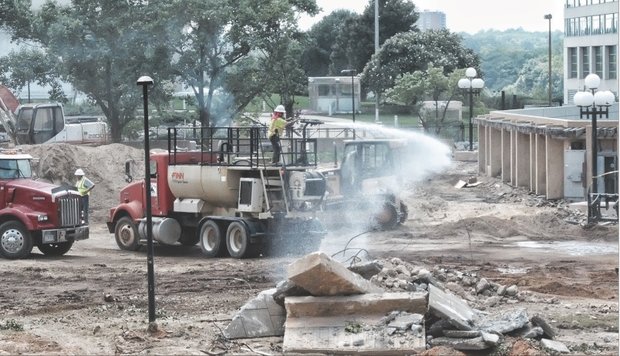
(590, 45)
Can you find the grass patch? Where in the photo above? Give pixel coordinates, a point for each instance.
(11, 325)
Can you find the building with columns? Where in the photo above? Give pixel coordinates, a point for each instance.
(548, 150)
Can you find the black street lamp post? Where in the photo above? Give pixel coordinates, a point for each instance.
(145, 81)
(548, 17)
(471, 86)
(352, 73)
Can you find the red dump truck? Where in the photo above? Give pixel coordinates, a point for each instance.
(35, 213)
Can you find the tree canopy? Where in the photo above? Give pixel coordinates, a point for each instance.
(347, 39)
(410, 51)
(102, 46)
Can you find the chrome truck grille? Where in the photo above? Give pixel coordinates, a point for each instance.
(70, 212)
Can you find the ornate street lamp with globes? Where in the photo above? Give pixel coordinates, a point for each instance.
(471, 85)
(591, 104)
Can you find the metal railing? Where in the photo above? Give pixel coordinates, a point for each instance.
(239, 146)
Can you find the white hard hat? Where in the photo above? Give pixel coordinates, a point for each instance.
(79, 172)
(280, 108)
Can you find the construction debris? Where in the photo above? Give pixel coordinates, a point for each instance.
(402, 309)
(259, 317)
(335, 279)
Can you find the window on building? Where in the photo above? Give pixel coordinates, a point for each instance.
(583, 26)
(324, 90)
(598, 60)
(572, 65)
(585, 61)
(611, 23)
(596, 25)
(612, 62)
(571, 27)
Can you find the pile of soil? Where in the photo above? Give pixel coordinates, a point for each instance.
(103, 165)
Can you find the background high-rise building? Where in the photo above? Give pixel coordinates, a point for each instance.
(431, 20)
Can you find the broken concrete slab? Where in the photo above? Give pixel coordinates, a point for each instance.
(367, 269)
(463, 334)
(259, 317)
(322, 276)
(451, 307)
(555, 346)
(285, 289)
(466, 344)
(549, 332)
(504, 324)
(404, 321)
(460, 184)
(364, 335)
(380, 303)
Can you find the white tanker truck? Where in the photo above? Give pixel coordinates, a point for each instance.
(226, 197)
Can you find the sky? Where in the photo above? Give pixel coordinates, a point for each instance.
(470, 16)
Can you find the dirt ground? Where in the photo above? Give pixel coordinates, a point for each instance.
(94, 299)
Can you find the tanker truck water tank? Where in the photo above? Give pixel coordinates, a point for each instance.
(165, 230)
(217, 186)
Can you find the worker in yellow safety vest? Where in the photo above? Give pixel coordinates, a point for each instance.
(276, 128)
(84, 186)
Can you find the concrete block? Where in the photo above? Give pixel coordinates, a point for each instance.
(383, 303)
(476, 343)
(555, 346)
(322, 276)
(344, 335)
(259, 317)
(451, 307)
(505, 323)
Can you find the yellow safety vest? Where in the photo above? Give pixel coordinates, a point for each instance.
(83, 185)
(277, 126)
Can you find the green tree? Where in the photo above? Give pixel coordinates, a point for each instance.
(503, 54)
(320, 40)
(533, 79)
(20, 69)
(355, 44)
(410, 51)
(218, 34)
(104, 46)
(100, 47)
(432, 84)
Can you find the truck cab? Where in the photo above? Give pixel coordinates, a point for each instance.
(45, 123)
(35, 213)
(368, 179)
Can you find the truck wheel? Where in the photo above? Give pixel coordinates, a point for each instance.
(387, 217)
(404, 213)
(57, 249)
(211, 239)
(237, 239)
(15, 240)
(126, 234)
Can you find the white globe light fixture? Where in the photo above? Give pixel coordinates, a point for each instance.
(593, 103)
(471, 85)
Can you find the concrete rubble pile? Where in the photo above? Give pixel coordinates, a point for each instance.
(386, 307)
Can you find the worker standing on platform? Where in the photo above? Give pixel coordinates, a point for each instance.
(276, 128)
